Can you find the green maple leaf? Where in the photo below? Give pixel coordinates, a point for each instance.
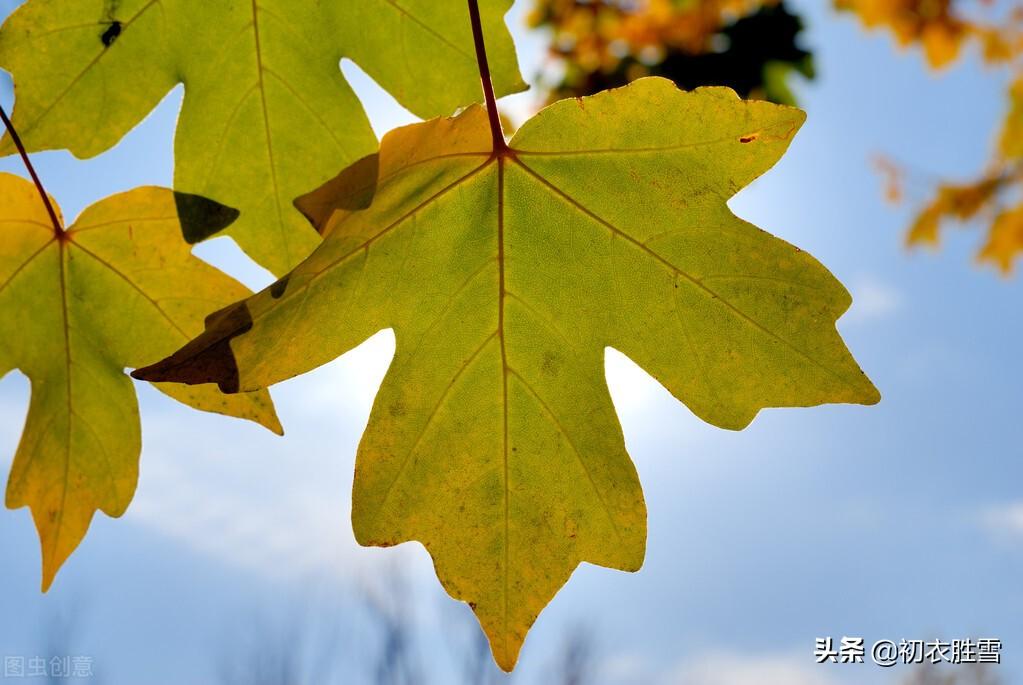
(76, 308)
(267, 113)
(505, 274)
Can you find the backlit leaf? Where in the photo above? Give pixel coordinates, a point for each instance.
(267, 114)
(117, 289)
(505, 275)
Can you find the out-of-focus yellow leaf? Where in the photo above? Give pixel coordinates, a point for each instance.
(942, 32)
(1011, 141)
(955, 202)
(926, 228)
(942, 43)
(749, 44)
(1005, 241)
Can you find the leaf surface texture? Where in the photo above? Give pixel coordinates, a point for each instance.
(267, 113)
(118, 289)
(493, 439)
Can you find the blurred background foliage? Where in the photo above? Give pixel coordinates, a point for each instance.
(943, 29)
(756, 48)
(750, 45)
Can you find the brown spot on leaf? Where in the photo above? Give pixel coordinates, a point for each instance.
(208, 358)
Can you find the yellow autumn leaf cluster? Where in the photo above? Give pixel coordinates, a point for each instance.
(973, 201)
(928, 22)
(598, 36)
(939, 29)
(959, 202)
(942, 29)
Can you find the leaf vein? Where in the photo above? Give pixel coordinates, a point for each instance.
(691, 279)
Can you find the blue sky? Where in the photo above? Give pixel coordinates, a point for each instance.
(903, 520)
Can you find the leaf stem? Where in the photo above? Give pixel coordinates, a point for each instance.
(32, 172)
(500, 145)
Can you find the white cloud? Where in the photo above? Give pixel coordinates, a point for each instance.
(276, 536)
(347, 385)
(724, 668)
(241, 496)
(1004, 520)
(873, 300)
(626, 668)
(278, 507)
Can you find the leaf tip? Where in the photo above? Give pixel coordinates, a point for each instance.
(506, 661)
(53, 561)
(208, 358)
(871, 395)
(49, 574)
(273, 423)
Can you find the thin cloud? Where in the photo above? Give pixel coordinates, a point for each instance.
(1004, 521)
(873, 301)
(726, 668)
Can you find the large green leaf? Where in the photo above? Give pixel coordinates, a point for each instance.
(505, 276)
(267, 114)
(77, 307)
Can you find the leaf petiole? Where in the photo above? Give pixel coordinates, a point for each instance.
(32, 172)
(500, 145)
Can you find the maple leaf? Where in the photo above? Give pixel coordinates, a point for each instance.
(505, 273)
(267, 113)
(76, 307)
